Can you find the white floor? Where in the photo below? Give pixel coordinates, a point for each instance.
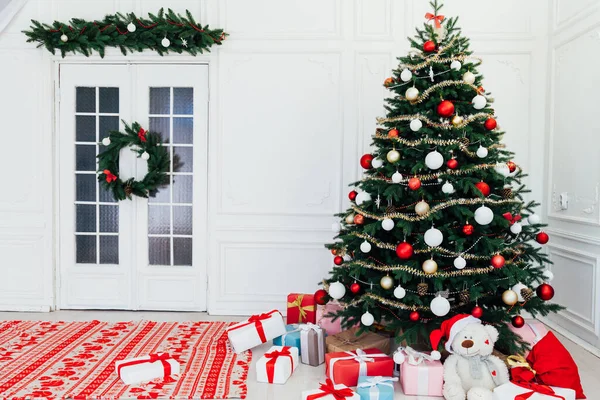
(305, 377)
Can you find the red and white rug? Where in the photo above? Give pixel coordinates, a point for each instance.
(77, 360)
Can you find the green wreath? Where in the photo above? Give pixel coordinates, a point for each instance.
(148, 146)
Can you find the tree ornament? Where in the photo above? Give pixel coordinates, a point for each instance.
(456, 120)
(415, 125)
(526, 294)
(337, 290)
(440, 306)
(490, 124)
(477, 312)
(406, 75)
(545, 292)
(542, 238)
(517, 321)
(512, 167)
(359, 219)
(131, 27)
(386, 282)
(429, 46)
(429, 267)
(321, 297)
(459, 262)
(393, 156)
(334, 252)
(533, 219)
(452, 163)
(399, 357)
(106, 141)
(362, 198)
(387, 224)
(165, 42)
(365, 161)
(548, 275)
(448, 188)
(399, 292)
(337, 260)
(484, 188)
(64, 38)
(509, 297)
(350, 219)
(517, 289)
(482, 152)
(414, 183)
(479, 102)
(421, 208)
(355, 288)
(455, 65)
(367, 319)
(411, 94)
(469, 77)
(145, 156)
(484, 215)
(397, 177)
(502, 169)
(404, 250)
(365, 247)
(507, 192)
(433, 237)
(516, 228)
(393, 133)
(464, 297)
(468, 229)
(184, 42)
(388, 82)
(352, 195)
(422, 289)
(336, 227)
(347, 257)
(414, 316)
(377, 163)
(445, 109)
(434, 160)
(498, 261)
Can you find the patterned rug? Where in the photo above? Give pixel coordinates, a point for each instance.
(77, 360)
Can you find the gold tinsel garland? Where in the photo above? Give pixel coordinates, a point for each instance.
(419, 273)
(432, 177)
(465, 122)
(463, 145)
(425, 95)
(395, 304)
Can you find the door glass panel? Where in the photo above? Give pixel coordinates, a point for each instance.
(183, 101)
(85, 218)
(183, 129)
(109, 249)
(109, 218)
(85, 128)
(182, 188)
(160, 100)
(109, 100)
(85, 249)
(85, 185)
(160, 250)
(161, 125)
(85, 157)
(85, 100)
(182, 220)
(182, 251)
(107, 124)
(159, 221)
(183, 158)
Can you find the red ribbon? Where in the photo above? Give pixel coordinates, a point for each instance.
(273, 356)
(329, 389)
(153, 358)
(510, 217)
(436, 18)
(257, 321)
(142, 134)
(109, 176)
(535, 388)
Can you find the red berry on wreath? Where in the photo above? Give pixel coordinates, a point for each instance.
(352, 195)
(511, 166)
(355, 288)
(393, 133)
(321, 297)
(359, 219)
(498, 261)
(468, 229)
(414, 316)
(452, 163)
(517, 321)
(414, 183)
(445, 109)
(365, 161)
(338, 260)
(484, 188)
(545, 292)
(477, 312)
(404, 251)
(429, 46)
(542, 238)
(490, 124)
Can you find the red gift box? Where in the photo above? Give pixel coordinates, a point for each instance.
(345, 367)
(301, 308)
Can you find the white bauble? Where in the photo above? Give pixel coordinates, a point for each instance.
(517, 289)
(433, 237)
(479, 102)
(469, 77)
(362, 197)
(337, 290)
(106, 141)
(399, 292)
(456, 65)
(533, 219)
(448, 188)
(441, 32)
(131, 27)
(434, 160)
(393, 156)
(548, 275)
(165, 42)
(411, 93)
(336, 227)
(406, 75)
(387, 224)
(367, 319)
(484, 215)
(510, 298)
(349, 219)
(145, 156)
(516, 228)
(64, 38)
(440, 306)
(347, 257)
(365, 247)
(399, 357)
(460, 263)
(415, 125)
(421, 208)
(502, 169)
(482, 152)
(397, 177)
(377, 163)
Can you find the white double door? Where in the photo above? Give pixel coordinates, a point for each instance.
(139, 254)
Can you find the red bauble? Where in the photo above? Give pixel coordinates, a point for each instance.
(445, 109)
(542, 238)
(484, 188)
(404, 251)
(545, 292)
(490, 124)
(352, 195)
(511, 166)
(414, 316)
(452, 163)
(365, 161)
(518, 321)
(477, 312)
(321, 297)
(468, 229)
(498, 261)
(429, 46)
(355, 288)
(414, 183)
(359, 219)
(393, 133)
(338, 260)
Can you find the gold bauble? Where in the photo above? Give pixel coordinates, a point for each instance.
(469, 77)
(457, 120)
(421, 208)
(386, 282)
(411, 94)
(510, 297)
(430, 267)
(393, 156)
(350, 219)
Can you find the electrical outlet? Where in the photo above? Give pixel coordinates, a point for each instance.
(564, 201)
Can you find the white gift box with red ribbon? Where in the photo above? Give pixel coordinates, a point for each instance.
(277, 365)
(511, 390)
(256, 330)
(142, 369)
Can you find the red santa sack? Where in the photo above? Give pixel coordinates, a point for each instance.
(554, 366)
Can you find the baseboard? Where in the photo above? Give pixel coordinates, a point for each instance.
(15, 308)
(575, 339)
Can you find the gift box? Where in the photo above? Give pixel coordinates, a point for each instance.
(532, 332)
(277, 365)
(345, 367)
(420, 374)
(312, 342)
(255, 330)
(290, 338)
(143, 369)
(329, 391)
(348, 341)
(325, 316)
(301, 308)
(531, 391)
(376, 387)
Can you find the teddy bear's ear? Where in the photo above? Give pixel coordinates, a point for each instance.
(493, 332)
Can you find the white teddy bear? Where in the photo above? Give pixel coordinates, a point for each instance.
(471, 372)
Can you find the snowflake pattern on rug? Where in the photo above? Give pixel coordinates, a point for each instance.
(77, 360)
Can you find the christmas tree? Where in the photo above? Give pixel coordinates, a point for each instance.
(438, 225)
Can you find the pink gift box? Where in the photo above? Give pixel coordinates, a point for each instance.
(424, 379)
(532, 332)
(331, 327)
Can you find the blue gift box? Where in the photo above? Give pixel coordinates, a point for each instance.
(376, 387)
(291, 338)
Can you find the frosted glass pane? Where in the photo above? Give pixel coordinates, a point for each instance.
(183, 159)
(182, 189)
(182, 251)
(159, 219)
(183, 130)
(159, 251)
(85, 99)
(160, 100)
(85, 187)
(109, 249)
(182, 220)
(183, 101)
(85, 218)
(109, 219)
(161, 195)
(85, 249)
(107, 124)
(161, 126)
(85, 157)
(85, 128)
(105, 195)
(109, 100)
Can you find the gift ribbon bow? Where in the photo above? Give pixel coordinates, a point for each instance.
(417, 357)
(257, 321)
(109, 176)
(378, 380)
(163, 357)
(142, 134)
(310, 326)
(302, 310)
(512, 219)
(436, 18)
(360, 357)
(536, 388)
(328, 388)
(273, 356)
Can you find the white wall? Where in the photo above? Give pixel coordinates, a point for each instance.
(294, 95)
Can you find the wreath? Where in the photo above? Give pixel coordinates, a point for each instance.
(149, 147)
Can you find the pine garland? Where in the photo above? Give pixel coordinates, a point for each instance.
(127, 32)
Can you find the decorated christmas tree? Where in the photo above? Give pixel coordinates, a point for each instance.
(438, 225)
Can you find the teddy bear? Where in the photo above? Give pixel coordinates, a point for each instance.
(471, 372)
